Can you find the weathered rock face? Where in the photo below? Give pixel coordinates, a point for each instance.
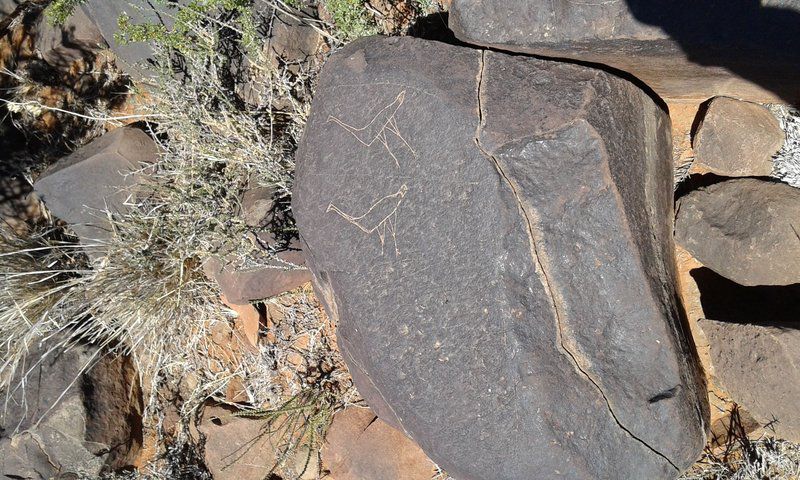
(738, 139)
(360, 446)
(60, 45)
(131, 56)
(759, 366)
(493, 235)
(680, 48)
(99, 176)
(67, 421)
(743, 229)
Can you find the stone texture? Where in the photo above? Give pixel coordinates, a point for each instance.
(132, 57)
(360, 446)
(96, 177)
(61, 45)
(744, 230)
(680, 48)
(493, 234)
(67, 420)
(737, 139)
(760, 366)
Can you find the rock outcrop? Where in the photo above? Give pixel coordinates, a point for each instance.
(68, 418)
(493, 234)
(737, 139)
(680, 48)
(744, 230)
(759, 364)
(94, 179)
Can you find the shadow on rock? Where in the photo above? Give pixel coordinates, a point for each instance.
(760, 43)
(727, 301)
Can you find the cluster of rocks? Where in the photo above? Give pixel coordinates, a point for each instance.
(77, 414)
(739, 224)
(493, 233)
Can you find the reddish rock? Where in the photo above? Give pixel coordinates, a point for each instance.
(266, 272)
(235, 448)
(737, 139)
(360, 446)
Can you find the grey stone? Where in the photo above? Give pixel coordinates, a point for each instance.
(64, 419)
(759, 366)
(737, 139)
(95, 178)
(7, 7)
(132, 57)
(680, 48)
(493, 235)
(743, 229)
(61, 45)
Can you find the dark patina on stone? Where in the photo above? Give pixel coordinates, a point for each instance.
(680, 48)
(493, 234)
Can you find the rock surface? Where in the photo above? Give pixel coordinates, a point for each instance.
(744, 230)
(760, 366)
(67, 421)
(60, 45)
(503, 280)
(360, 446)
(132, 57)
(96, 177)
(680, 48)
(737, 139)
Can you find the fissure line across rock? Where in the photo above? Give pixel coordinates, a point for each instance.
(535, 254)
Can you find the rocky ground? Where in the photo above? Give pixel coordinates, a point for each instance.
(156, 313)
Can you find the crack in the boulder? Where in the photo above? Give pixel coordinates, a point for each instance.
(543, 276)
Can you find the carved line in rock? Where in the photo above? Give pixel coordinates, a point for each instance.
(385, 209)
(529, 219)
(384, 121)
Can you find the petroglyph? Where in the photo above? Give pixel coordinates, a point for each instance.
(377, 130)
(381, 218)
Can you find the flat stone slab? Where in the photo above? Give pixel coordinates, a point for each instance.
(682, 49)
(493, 234)
(737, 139)
(96, 178)
(743, 229)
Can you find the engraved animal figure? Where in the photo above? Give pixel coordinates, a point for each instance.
(381, 218)
(379, 127)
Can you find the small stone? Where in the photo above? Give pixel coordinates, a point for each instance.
(743, 229)
(98, 176)
(737, 139)
(759, 365)
(295, 359)
(247, 323)
(236, 448)
(256, 206)
(360, 446)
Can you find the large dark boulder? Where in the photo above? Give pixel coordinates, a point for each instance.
(493, 234)
(743, 229)
(680, 48)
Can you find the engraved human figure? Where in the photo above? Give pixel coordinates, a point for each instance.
(381, 218)
(382, 124)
